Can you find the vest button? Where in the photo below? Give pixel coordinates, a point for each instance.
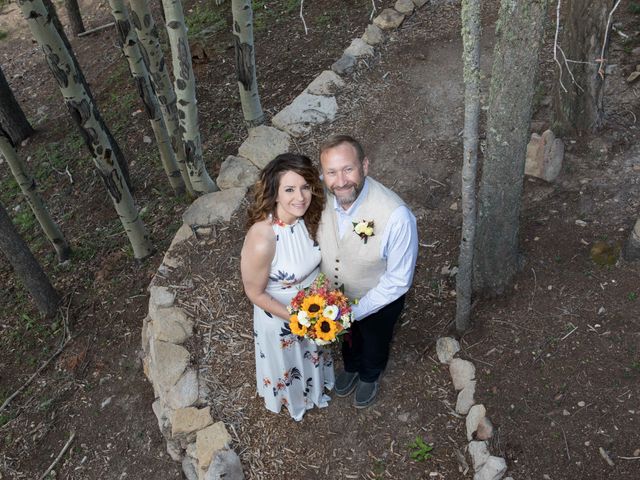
(337, 260)
(335, 276)
(336, 269)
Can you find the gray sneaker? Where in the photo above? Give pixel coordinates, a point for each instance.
(345, 383)
(365, 394)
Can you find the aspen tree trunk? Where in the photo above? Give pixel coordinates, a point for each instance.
(471, 32)
(632, 248)
(30, 191)
(138, 69)
(75, 19)
(154, 58)
(185, 88)
(12, 118)
(83, 110)
(246, 62)
(585, 33)
(27, 268)
(519, 37)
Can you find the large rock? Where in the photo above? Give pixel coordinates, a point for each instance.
(214, 207)
(189, 468)
(404, 7)
(237, 172)
(171, 325)
(373, 34)
(345, 65)
(185, 392)
(209, 441)
(264, 144)
(170, 259)
(389, 19)
(304, 112)
(225, 466)
(493, 469)
(160, 297)
(162, 414)
(485, 429)
(475, 416)
(466, 398)
(632, 247)
(544, 156)
(327, 83)
(462, 373)
(479, 453)
(168, 362)
(359, 48)
(188, 420)
(446, 348)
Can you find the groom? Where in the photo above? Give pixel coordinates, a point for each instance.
(369, 244)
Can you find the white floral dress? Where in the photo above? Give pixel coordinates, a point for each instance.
(290, 371)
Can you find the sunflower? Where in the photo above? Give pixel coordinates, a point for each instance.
(326, 329)
(313, 305)
(296, 328)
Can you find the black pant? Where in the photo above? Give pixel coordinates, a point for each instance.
(366, 349)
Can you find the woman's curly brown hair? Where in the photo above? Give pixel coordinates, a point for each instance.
(266, 190)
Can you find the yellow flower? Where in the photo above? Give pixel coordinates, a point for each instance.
(313, 305)
(325, 329)
(368, 231)
(295, 326)
(360, 228)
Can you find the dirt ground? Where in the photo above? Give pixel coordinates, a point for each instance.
(557, 359)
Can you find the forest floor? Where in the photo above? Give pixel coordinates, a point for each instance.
(558, 360)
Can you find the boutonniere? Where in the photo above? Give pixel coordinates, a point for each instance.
(363, 229)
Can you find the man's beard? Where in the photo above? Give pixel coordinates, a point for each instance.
(347, 199)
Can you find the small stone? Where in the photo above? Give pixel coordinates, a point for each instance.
(225, 466)
(446, 348)
(174, 450)
(327, 83)
(189, 468)
(264, 144)
(304, 112)
(493, 469)
(636, 452)
(581, 223)
(404, 7)
(465, 398)
(208, 441)
(565, 412)
(187, 420)
(462, 373)
(161, 297)
(146, 139)
(237, 172)
(403, 417)
(389, 19)
(171, 325)
(476, 414)
(485, 429)
(214, 207)
(479, 453)
(373, 35)
(581, 403)
(635, 51)
(359, 48)
(544, 156)
(633, 77)
(453, 206)
(419, 3)
(345, 65)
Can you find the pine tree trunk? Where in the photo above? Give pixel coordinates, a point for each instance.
(471, 31)
(519, 37)
(84, 112)
(75, 19)
(30, 190)
(246, 62)
(632, 248)
(27, 268)
(185, 88)
(154, 58)
(581, 106)
(12, 118)
(138, 68)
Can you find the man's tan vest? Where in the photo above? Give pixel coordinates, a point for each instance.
(348, 260)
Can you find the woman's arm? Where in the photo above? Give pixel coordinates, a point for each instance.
(255, 262)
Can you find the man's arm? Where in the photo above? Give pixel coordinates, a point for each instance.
(400, 246)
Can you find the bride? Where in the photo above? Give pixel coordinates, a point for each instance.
(279, 257)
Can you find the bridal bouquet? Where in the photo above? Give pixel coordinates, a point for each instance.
(319, 313)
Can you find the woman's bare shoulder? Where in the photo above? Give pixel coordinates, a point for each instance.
(260, 237)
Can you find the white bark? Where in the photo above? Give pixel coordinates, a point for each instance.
(154, 57)
(140, 74)
(471, 31)
(246, 63)
(84, 112)
(30, 190)
(185, 88)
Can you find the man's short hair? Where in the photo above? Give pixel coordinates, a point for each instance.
(337, 140)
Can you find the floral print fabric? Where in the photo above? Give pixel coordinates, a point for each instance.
(290, 372)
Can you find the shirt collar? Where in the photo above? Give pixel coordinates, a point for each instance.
(352, 209)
